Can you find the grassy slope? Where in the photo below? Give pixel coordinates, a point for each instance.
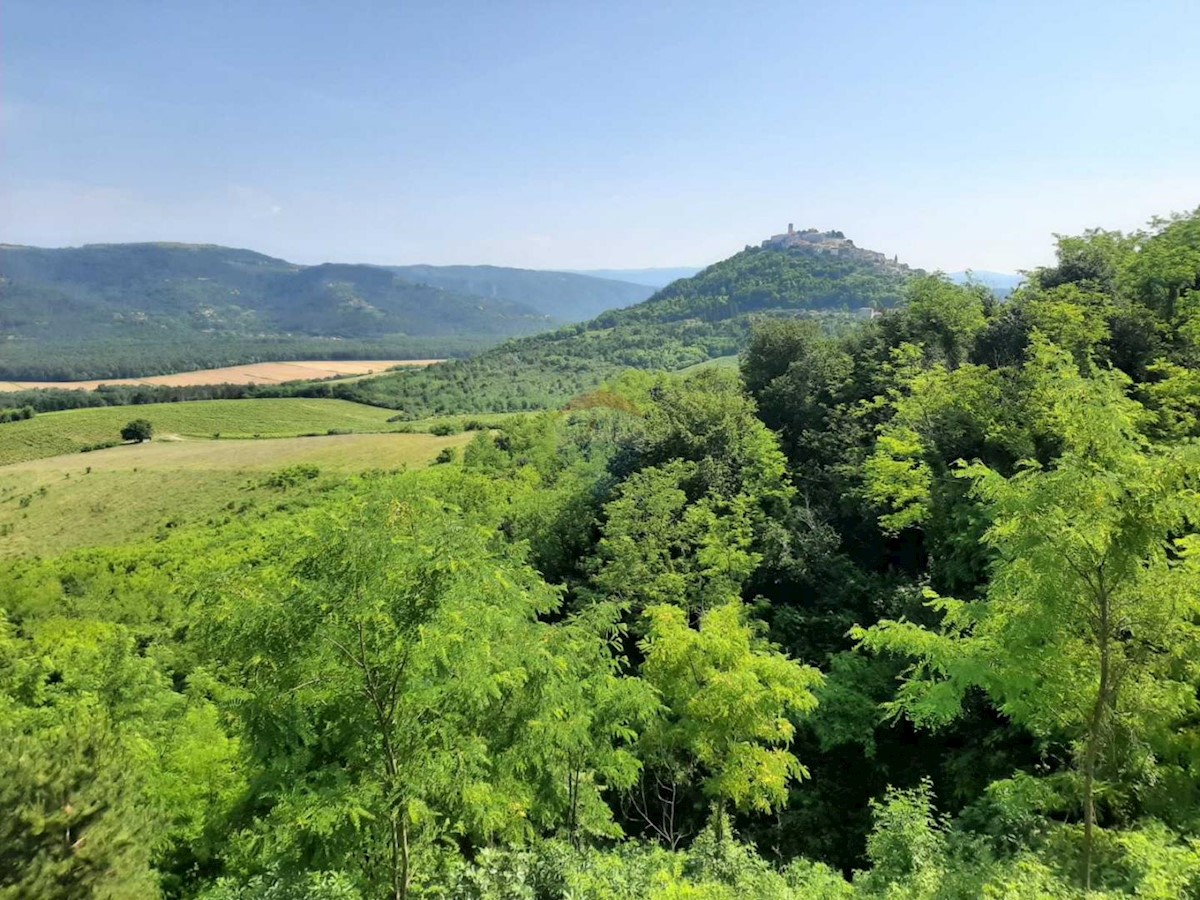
(52, 434)
(128, 493)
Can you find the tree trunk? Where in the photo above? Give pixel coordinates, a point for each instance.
(1089, 813)
(398, 888)
(1094, 736)
(406, 876)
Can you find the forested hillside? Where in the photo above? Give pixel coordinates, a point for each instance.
(912, 611)
(691, 320)
(120, 310)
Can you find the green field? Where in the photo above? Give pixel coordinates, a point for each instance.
(53, 434)
(48, 506)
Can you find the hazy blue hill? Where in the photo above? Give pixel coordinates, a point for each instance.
(128, 289)
(1001, 283)
(357, 300)
(566, 296)
(104, 310)
(656, 278)
(692, 320)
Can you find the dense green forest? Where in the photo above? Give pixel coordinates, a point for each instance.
(124, 310)
(686, 323)
(909, 610)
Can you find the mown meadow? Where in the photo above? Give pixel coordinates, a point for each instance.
(70, 431)
(122, 494)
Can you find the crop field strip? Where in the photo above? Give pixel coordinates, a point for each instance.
(252, 373)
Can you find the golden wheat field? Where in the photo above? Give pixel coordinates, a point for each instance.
(252, 373)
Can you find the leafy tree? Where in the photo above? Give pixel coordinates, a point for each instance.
(393, 672)
(76, 823)
(137, 430)
(657, 547)
(730, 700)
(945, 318)
(1089, 625)
(108, 770)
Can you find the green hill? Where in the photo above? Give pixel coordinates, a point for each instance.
(688, 322)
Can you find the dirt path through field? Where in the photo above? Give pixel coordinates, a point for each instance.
(253, 373)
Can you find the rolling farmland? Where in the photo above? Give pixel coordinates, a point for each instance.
(53, 434)
(126, 493)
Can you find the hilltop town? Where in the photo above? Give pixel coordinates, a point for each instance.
(833, 243)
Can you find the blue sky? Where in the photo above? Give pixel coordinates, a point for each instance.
(577, 134)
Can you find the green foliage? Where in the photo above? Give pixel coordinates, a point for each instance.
(16, 414)
(291, 476)
(137, 430)
(1088, 631)
(588, 661)
(730, 699)
(408, 631)
(565, 296)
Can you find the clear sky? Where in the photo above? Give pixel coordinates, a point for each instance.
(572, 134)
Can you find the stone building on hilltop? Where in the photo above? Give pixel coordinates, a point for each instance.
(832, 243)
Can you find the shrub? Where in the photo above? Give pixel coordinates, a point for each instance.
(291, 476)
(16, 415)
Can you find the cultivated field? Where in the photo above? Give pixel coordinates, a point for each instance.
(254, 373)
(129, 493)
(52, 434)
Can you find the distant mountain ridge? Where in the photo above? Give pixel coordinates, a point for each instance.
(217, 305)
(140, 290)
(566, 296)
(654, 277)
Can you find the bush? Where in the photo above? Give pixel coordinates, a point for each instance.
(291, 476)
(444, 429)
(447, 455)
(16, 415)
